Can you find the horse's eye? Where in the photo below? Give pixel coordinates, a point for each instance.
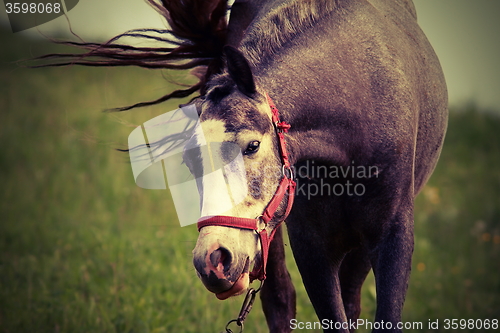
(252, 147)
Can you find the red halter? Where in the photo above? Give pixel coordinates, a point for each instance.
(286, 186)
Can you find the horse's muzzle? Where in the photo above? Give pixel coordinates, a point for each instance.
(220, 269)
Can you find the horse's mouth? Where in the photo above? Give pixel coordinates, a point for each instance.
(240, 286)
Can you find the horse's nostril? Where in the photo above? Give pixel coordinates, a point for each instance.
(221, 255)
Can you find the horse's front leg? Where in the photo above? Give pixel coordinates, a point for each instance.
(278, 293)
(353, 271)
(319, 262)
(391, 266)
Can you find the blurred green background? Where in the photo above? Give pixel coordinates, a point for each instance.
(83, 249)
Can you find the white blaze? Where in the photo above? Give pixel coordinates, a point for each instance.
(223, 178)
(226, 187)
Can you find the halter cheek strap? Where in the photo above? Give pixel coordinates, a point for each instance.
(286, 187)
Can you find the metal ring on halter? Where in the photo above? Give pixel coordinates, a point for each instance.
(290, 174)
(261, 225)
(260, 286)
(228, 330)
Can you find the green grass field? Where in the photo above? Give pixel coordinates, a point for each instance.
(83, 249)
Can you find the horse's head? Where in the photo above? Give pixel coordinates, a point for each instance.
(235, 116)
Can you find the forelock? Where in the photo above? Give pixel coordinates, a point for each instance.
(239, 112)
(219, 87)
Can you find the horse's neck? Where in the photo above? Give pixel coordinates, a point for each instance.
(278, 22)
(243, 13)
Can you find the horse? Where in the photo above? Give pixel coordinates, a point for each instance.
(360, 85)
(339, 109)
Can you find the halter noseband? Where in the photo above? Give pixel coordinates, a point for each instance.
(286, 186)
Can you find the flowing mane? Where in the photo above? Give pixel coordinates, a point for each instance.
(194, 40)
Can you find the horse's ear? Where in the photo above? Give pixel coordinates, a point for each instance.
(240, 71)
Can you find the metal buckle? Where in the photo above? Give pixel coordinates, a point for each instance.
(277, 127)
(290, 174)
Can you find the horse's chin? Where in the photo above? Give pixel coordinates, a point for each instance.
(238, 288)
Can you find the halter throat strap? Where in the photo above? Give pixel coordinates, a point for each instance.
(286, 187)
